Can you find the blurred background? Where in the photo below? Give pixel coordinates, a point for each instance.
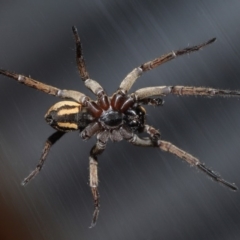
(146, 194)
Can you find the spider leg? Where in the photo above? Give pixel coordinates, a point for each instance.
(129, 80)
(30, 82)
(151, 101)
(169, 147)
(50, 141)
(169, 56)
(97, 149)
(147, 92)
(93, 85)
(153, 133)
(79, 56)
(90, 130)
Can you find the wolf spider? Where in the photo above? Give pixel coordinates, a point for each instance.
(119, 116)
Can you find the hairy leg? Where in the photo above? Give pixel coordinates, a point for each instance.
(30, 82)
(79, 56)
(169, 56)
(50, 141)
(92, 85)
(130, 79)
(97, 149)
(147, 92)
(169, 147)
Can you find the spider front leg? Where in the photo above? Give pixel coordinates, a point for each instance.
(169, 56)
(50, 141)
(130, 79)
(147, 92)
(93, 85)
(169, 147)
(79, 56)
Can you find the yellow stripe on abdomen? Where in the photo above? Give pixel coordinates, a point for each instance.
(67, 125)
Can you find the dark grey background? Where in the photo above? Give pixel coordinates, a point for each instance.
(145, 194)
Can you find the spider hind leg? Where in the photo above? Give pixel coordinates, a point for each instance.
(50, 141)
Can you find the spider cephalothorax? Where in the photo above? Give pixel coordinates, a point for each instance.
(117, 117)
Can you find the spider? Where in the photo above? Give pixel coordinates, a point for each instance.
(116, 117)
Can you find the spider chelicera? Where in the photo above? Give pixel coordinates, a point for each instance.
(117, 117)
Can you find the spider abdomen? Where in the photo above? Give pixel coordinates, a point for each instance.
(68, 116)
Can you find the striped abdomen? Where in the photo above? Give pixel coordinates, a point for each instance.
(68, 116)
